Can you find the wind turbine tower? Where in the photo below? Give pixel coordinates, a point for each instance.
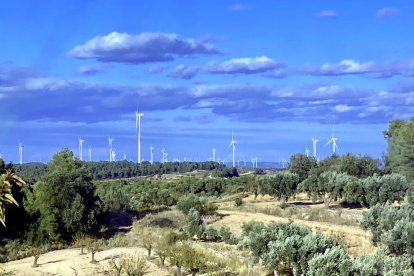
(81, 148)
(314, 141)
(90, 154)
(111, 155)
(333, 141)
(214, 155)
(233, 145)
(20, 152)
(152, 154)
(163, 155)
(138, 125)
(307, 151)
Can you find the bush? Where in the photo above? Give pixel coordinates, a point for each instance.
(195, 224)
(335, 261)
(131, 265)
(211, 234)
(192, 201)
(238, 201)
(227, 236)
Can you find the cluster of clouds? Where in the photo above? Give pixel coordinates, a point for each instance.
(160, 47)
(381, 13)
(44, 98)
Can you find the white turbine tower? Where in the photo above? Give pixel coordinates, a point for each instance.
(233, 145)
(307, 151)
(314, 141)
(214, 155)
(90, 154)
(80, 149)
(111, 155)
(152, 154)
(333, 141)
(138, 125)
(20, 152)
(163, 156)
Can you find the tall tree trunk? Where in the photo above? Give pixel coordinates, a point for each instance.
(93, 261)
(179, 273)
(82, 250)
(149, 252)
(162, 261)
(36, 257)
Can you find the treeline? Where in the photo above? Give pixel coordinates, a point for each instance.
(32, 172)
(350, 178)
(142, 194)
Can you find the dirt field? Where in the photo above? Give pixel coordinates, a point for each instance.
(69, 262)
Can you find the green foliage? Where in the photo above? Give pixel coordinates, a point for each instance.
(226, 172)
(334, 261)
(284, 247)
(131, 265)
(227, 236)
(195, 224)
(358, 166)
(301, 165)
(8, 180)
(392, 227)
(400, 153)
(211, 234)
(389, 187)
(329, 186)
(382, 264)
(173, 237)
(238, 201)
(280, 185)
(189, 201)
(63, 201)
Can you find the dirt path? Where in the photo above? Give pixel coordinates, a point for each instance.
(69, 262)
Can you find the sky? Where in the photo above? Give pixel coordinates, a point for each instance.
(276, 73)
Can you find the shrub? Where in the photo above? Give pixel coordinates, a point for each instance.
(131, 265)
(227, 236)
(335, 261)
(195, 224)
(211, 234)
(238, 201)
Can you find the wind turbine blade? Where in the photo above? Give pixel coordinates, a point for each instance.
(330, 141)
(231, 143)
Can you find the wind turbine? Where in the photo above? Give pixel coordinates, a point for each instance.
(333, 141)
(90, 154)
(214, 155)
(163, 155)
(314, 141)
(20, 152)
(152, 154)
(138, 125)
(307, 151)
(233, 145)
(80, 149)
(110, 149)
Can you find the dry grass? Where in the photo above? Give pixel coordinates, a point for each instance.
(341, 223)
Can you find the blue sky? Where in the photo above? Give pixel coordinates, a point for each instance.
(276, 72)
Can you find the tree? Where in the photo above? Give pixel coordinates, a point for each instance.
(281, 185)
(8, 180)
(329, 186)
(161, 248)
(63, 201)
(147, 237)
(400, 151)
(195, 224)
(380, 189)
(301, 165)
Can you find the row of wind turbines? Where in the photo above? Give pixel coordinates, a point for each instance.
(164, 158)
